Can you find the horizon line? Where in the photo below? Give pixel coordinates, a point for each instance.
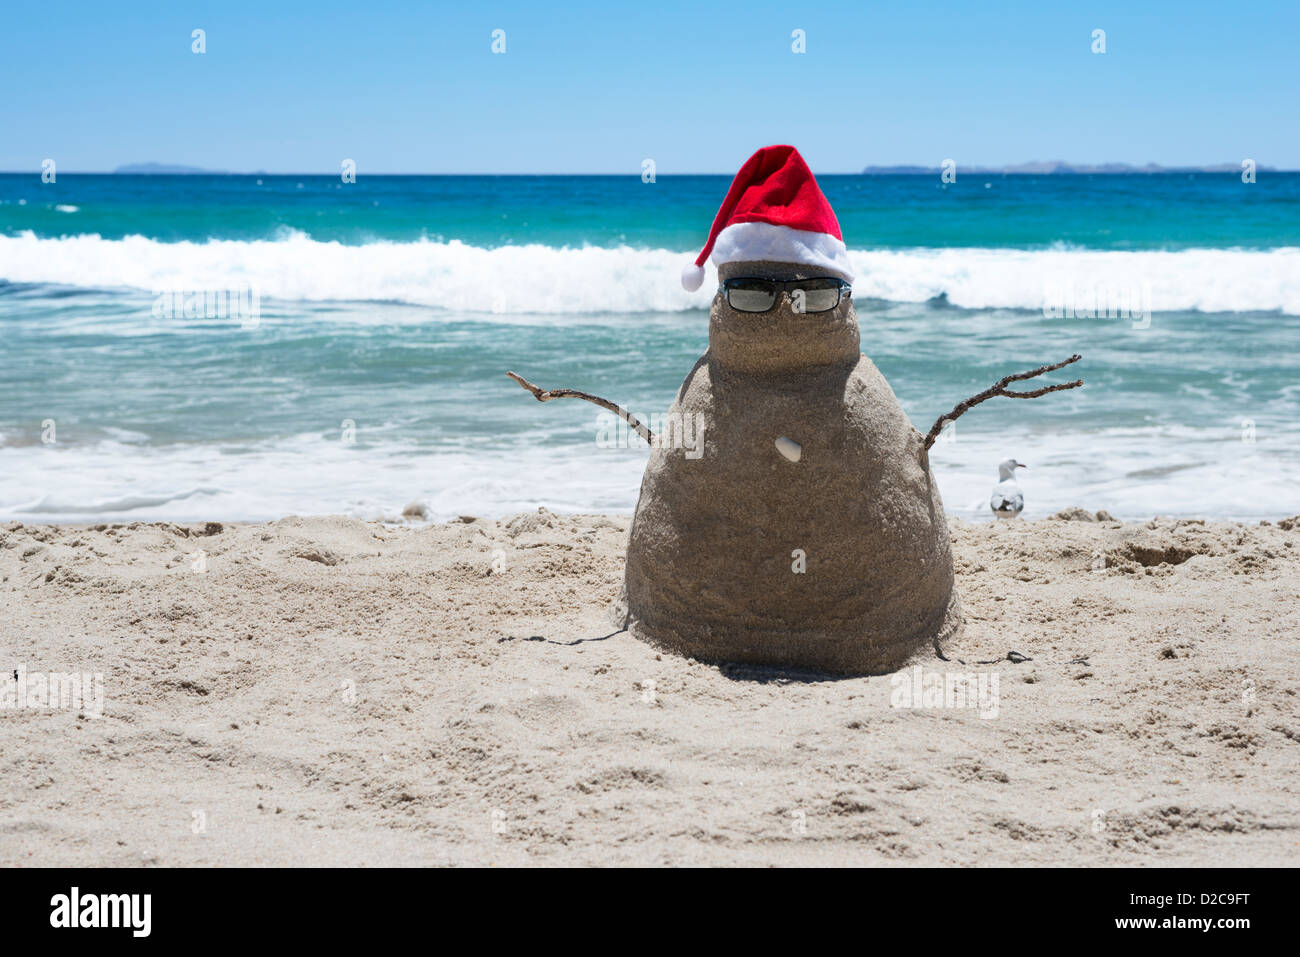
(909, 170)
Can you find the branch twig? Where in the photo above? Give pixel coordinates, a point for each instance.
(1000, 388)
(545, 395)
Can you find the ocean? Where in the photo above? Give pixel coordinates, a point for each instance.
(244, 347)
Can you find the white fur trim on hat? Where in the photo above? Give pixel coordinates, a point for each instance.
(755, 242)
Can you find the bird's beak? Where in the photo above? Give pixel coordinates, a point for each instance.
(1021, 465)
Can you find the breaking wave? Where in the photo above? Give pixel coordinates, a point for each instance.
(543, 279)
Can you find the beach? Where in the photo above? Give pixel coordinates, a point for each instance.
(419, 665)
(327, 690)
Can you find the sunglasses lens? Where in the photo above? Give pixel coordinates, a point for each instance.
(820, 296)
(751, 295)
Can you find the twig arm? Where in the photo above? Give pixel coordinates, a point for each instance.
(546, 395)
(1000, 388)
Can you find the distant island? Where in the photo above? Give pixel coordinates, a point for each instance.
(1061, 167)
(167, 169)
(1037, 168)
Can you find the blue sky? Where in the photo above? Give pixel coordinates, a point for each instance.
(590, 87)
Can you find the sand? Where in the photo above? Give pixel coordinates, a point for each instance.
(336, 692)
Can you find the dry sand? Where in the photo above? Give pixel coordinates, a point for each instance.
(337, 692)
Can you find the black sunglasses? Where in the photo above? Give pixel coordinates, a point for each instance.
(821, 294)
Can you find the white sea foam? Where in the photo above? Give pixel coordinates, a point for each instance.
(56, 505)
(548, 280)
(1133, 473)
(305, 475)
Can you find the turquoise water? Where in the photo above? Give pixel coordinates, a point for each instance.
(389, 309)
(1169, 211)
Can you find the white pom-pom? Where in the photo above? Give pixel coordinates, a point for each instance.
(692, 277)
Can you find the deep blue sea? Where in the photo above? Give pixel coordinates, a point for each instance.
(251, 346)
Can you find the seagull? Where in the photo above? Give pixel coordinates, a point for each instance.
(1007, 500)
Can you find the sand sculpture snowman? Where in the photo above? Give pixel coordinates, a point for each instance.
(809, 534)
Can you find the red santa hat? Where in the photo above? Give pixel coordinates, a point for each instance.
(774, 212)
